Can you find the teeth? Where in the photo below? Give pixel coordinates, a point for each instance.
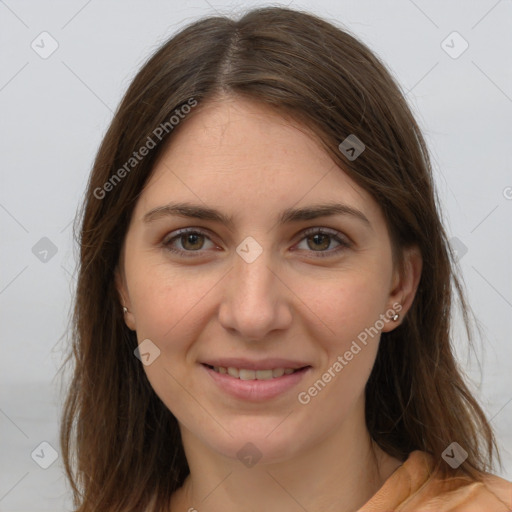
(247, 374)
(244, 374)
(233, 372)
(265, 374)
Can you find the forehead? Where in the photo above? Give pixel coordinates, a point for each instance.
(243, 154)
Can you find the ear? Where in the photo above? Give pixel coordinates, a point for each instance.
(404, 285)
(122, 290)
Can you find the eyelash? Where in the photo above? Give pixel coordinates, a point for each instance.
(305, 234)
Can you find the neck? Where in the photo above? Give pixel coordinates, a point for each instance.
(340, 473)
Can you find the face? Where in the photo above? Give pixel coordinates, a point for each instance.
(247, 290)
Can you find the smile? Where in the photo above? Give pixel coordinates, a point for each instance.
(255, 385)
(246, 374)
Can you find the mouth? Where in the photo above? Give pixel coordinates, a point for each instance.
(253, 384)
(249, 374)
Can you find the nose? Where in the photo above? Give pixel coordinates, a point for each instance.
(256, 301)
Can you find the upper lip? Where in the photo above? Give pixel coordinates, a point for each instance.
(264, 364)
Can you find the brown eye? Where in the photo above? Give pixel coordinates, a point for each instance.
(191, 241)
(319, 240)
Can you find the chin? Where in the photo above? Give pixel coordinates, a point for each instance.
(257, 442)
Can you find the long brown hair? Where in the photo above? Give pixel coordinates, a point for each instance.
(121, 446)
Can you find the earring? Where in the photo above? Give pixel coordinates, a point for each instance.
(125, 310)
(395, 317)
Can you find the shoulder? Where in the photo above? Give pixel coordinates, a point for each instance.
(500, 488)
(416, 487)
(462, 494)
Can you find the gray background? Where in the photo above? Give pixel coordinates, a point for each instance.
(55, 110)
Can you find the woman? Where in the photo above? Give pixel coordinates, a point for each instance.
(262, 318)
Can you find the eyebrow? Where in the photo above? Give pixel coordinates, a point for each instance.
(193, 211)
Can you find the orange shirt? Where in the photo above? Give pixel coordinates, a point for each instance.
(411, 489)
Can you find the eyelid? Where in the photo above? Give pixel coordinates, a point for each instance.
(343, 240)
(323, 230)
(183, 231)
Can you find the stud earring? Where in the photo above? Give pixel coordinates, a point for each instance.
(125, 310)
(395, 317)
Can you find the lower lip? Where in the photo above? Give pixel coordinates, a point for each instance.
(256, 390)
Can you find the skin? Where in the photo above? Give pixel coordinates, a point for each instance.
(242, 158)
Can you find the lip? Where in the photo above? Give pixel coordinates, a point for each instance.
(256, 390)
(264, 364)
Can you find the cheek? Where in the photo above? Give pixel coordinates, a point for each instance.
(346, 304)
(350, 307)
(159, 294)
(162, 306)
(170, 305)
